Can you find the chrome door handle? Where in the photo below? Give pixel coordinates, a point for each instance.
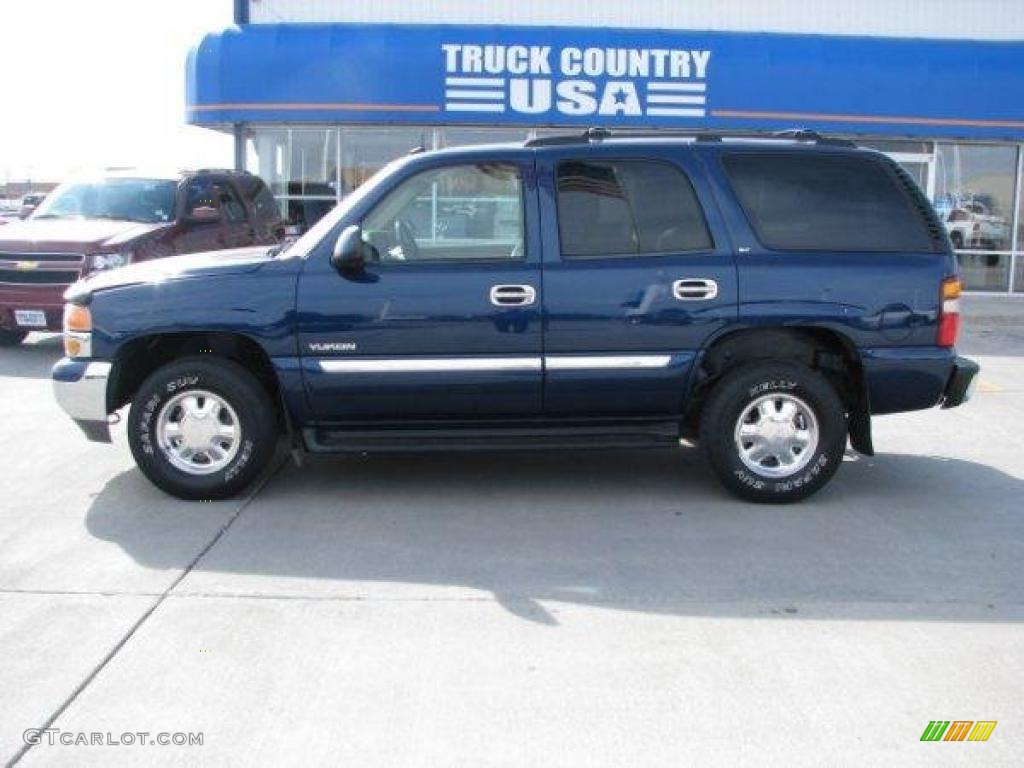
(695, 289)
(513, 295)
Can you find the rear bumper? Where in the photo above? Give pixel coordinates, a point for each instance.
(960, 386)
(903, 379)
(80, 387)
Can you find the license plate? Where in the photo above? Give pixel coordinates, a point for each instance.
(30, 318)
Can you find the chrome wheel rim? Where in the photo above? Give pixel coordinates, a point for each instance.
(776, 435)
(198, 432)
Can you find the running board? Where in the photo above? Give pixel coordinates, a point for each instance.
(627, 435)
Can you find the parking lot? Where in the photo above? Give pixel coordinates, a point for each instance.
(519, 609)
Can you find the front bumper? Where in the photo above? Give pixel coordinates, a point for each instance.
(961, 382)
(81, 390)
(48, 298)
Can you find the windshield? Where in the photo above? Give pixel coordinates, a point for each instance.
(143, 200)
(305, 244)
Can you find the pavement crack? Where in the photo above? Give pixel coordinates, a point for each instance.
(80, 688)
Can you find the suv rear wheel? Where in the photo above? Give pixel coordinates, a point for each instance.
(202, 428)
(11, 337)
(774, 432)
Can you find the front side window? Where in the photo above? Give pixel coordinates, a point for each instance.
(459, 213)
(820, 202)
(628, 208)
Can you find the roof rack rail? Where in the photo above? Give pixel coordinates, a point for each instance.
(226, 171)
(590, 134)
(599, 134)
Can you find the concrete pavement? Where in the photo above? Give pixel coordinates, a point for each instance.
(508, 609)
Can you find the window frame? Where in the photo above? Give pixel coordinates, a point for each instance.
(638, 254)
(521, 259)
(882, 163)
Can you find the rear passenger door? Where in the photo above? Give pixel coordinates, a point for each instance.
(638, 273)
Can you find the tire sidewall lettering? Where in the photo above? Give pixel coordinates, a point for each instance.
(146, 439)
(181, 382)
(808, 476)
(240, 461)
(772, 385)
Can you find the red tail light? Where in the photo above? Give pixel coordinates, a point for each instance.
(949, 312)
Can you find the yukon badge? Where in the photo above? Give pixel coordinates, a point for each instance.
(332, 346)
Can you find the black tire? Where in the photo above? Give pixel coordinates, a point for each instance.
(958, 240)
(257, 423)
(11, 337)
(736, 394)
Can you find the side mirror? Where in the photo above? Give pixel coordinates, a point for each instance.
(349, 255)
(203, 214)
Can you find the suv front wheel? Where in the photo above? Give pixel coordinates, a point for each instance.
(202, 428)
(774, 432)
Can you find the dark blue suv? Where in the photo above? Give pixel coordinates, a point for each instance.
(763, 298)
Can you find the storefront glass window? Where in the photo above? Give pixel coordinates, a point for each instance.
(457, 137)
(897, 146)
(300, 167)
(974, 190)
(364, 151)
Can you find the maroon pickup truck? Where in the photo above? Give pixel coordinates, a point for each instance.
(105, 222)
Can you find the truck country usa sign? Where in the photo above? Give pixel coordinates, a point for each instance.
(574, 81)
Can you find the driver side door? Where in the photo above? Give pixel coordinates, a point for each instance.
(444, 321)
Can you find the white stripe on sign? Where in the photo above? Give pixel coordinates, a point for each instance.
(687, 87)
(674, 112)
(473, 106)
(466, 94)
(474, 82)
(671, 98)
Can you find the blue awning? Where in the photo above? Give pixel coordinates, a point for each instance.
(479, 75)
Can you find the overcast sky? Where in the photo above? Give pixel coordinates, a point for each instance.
(96, 83)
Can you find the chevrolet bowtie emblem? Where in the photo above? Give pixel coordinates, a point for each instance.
(26, 265)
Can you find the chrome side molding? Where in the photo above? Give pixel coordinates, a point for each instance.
(495, 364)
(605, 362)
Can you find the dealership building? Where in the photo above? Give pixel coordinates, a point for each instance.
(319, 94)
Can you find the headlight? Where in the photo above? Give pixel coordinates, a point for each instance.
(100, 261)
(77, 331)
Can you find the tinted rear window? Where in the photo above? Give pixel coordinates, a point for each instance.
(628, 207)
(811, 202)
